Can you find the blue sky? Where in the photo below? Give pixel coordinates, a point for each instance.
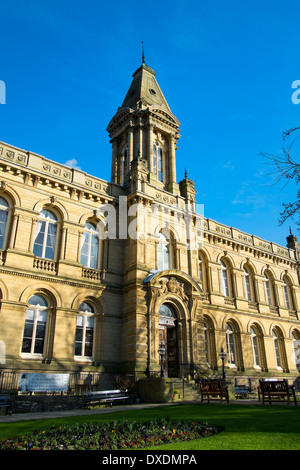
(225, 68)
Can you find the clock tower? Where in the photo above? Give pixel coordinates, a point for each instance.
(144, 128)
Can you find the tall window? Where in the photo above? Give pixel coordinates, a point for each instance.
(158, 161)
(90, 247)
(224, 279)
(276, 341)
(45, 235)
(288, 296)
(255, 347)
(201, 268)
(230, 344)
(3, 220)
(296, 347)
(35, 326)
(247, 285)
(269, 290)
(84, 337)
(124, 164)
(163, 253)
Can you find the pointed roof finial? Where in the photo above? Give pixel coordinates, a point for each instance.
(143, 54)
(290, 231)
(185, 174)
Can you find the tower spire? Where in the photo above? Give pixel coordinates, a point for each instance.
(143, 54)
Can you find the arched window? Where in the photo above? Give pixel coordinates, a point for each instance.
(35, 326)
(166, 310)
(296, 348)
(163, 253)
(248, 285)
(209, 342)
(269, 289)
(279, 349)
(45, 235)
(278, 355)
(203, 271)
(84, 337)
(288, 294)
(4, 208)
(158, 161)
(224, 279)
(89, 255)
(231, 345)
(256, 353)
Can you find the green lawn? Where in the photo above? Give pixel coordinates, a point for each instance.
(247, 427)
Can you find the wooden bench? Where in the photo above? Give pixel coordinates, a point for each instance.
(242, 391)
(214, 390)
(105, 397)
(276, 391)
(6, 403)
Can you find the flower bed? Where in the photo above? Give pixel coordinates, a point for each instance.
(112, 436)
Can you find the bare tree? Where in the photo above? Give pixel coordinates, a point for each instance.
(286, 169)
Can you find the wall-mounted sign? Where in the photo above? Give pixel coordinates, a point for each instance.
(44, 382)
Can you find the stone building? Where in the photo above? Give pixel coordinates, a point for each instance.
(97, 275)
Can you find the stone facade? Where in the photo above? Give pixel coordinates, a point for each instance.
(97, 275)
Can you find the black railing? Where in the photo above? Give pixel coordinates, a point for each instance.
(79, 382)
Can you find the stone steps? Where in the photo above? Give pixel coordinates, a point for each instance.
(190, 393)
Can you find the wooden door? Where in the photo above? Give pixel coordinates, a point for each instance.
(163, 340)
(172, 352)
(168, 336)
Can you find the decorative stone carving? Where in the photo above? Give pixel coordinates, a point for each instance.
(173, 286)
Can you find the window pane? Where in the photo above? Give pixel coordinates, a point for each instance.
(90, 322)
(247, 285)
(94, 252)
(85, 307)
(28, 329)
(29, 315)
(166, 310)
(78, 347)
(37, 300)
(50, 242)
(224, 280)
(3, 220)
(268, 292)
(79, 335)
(79, 319)
(39, 346)
(88, 350)
(39, 238)
(26, 347)
(48, 215)
(166, 255)
(277, 350)
(160, 164)
(3, 203)
(154, 159)
(286, 296)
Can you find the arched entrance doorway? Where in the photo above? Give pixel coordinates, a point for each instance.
(168, 336)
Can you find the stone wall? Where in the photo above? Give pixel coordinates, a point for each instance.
(38, 403)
